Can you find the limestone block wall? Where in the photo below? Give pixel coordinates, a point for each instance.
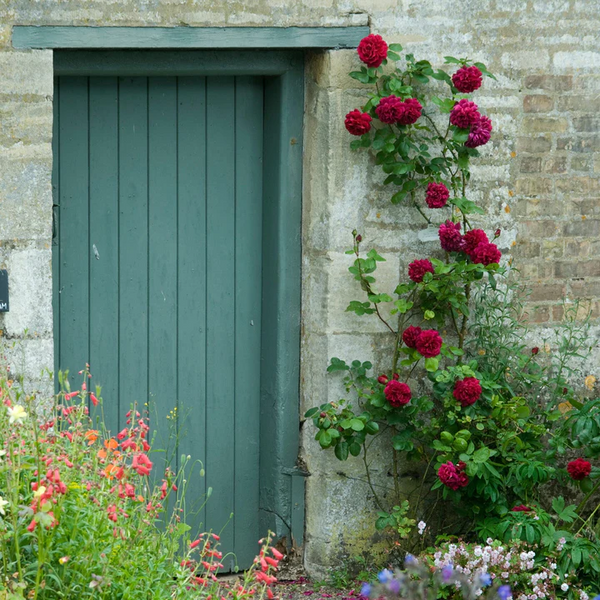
(539, 179)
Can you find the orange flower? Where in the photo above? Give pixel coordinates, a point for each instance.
(111, 444)
(91, 436)
(113, 471)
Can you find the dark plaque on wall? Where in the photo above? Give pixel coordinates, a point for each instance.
(3, 290)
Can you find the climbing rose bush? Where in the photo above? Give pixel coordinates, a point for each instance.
(478, 418)
(85, 514)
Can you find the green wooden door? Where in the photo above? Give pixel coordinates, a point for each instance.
(157, 270)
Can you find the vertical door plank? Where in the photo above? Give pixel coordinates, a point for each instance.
(248, 274)
(74, 256)
(162, 244)
(104, 244)
(192, 288)
(220, 333)
(56, 227)
(133, 242)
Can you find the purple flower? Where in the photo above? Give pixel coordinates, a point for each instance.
(365, 590)
(485, 579)
(385, 576)
(394, 586)
(447, 572)
(410, 559)
(504, 592)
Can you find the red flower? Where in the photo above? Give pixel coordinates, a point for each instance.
(372, 50)
(450, 237)
(480, 133)
(467, 391)
(357, 122)
(451, 477)
(410, 111)
(141, 464)
(486, 254)
(437, 195)
(521, 508)
(94, 400)
(383, 379)
(429, 343)
(535, 350)
(461, 466)
(579, 469)
(472, 239)
(418, 268)
(467, 79)
(464, 114)
(389, 110)
(397, 393)
(410, 335)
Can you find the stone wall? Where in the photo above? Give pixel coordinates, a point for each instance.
(539, 179)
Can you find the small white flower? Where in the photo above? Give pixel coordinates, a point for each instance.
(3, 503)
(16, 413)
(564, 587)
(421, 527)
(553, 566)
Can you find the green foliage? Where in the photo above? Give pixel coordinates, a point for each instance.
(86, 515)
(504, 433)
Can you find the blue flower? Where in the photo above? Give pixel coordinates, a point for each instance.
(385, 576)
(394, 586)
(597, 597)
(485, 579)
(409, 559)
(447, 572)
(365, 590)
(504, 592)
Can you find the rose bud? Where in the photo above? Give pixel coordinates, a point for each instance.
(396, 376)
(359, 238)
(497, 233)
(323, 415)
(383, 379)
(535, 350)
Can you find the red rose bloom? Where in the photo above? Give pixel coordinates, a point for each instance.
(450, 238)
(358, 123)
(389, 109)
(418, 268)
(437, 195)
(467, 391)
(461, 465)
(397, 393)
(579, 469)
(429, 343)
(472, 239)
(464, 114)
(372, 50)
(410, 111)
(451, 477)
(480, 133)
(521, 508)
(467, 79)
(486, 254)
(410, 335)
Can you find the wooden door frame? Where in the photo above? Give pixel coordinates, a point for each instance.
(281, 501)
(204, 51)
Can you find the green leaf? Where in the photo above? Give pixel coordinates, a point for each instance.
(341, 450)
(395, 47)
(431, 364)
(398, 197)
(311, 412)
(484, 70)
(452, 60)
(357, 425)
(403, 305)
(393, 56)
(337, 365)
(325, 439)
(372, 427)
(373, 254)
(363, 77)
(481, 455)
(354, 448)
(460, 135)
